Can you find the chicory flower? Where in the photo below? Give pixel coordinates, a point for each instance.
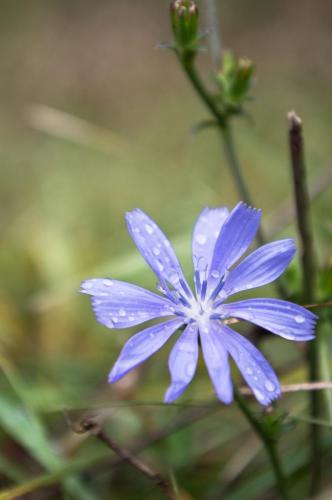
(219, 240)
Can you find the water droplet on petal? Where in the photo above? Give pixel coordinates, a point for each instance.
(299, 319)
(215, 274)
(190, 369)
(151, 335)
(248, 286)
(288, 333)
(269, 386)
(249, 370)
(201, 239)
(259, 395)
(108, 283)
(122, 312)
(114, 319)
(174, 278)
(156, 251)
(131, 318)
(149, 229)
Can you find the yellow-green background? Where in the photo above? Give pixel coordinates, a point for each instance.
(66, 184)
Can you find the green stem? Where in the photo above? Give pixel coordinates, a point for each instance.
(225, 129)
(269, 443)
(302, 200)
(234, 163)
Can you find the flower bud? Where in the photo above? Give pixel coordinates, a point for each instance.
(243, 80)
(184, 19)
(234, 82)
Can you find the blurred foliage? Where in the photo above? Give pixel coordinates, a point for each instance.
(95, 122)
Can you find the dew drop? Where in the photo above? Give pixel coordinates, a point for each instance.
(122, 312)
(201, 239)
(269, 386)
(114, 319)
(299, 319)
(249, 370)
(288, 333)
(160, 266)
(248, 286)
(190, 369)
(156, 251)
(259, 395)
(174, 278)
(131, 318)
(215, 274)
(149, 229)
(108, 283)
(151, 335)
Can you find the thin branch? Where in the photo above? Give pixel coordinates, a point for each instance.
(304, 386)
(302, 205)
(90, 425)
(302, 200)
(284, 214)
(200, 405)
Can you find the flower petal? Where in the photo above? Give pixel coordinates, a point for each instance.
(154, 247)
(255, 369)
(183, 362)
(120, 305)
(286, 319)
(262, 266)
(141, 346)
(235, 236)
(206, 231)
(217, 363)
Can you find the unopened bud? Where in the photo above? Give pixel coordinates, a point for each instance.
(243, 79)
(184, 19)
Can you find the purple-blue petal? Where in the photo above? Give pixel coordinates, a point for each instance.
(262, 266)
(236, 235)
(155, 247)
(141, 346)
(217, 363)
(286, 319)
(255, 369)
(182, 362)
(205, 234)
(120, 305)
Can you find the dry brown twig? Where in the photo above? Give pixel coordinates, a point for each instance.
(90, 424)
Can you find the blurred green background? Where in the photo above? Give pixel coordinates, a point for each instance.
(97, 120)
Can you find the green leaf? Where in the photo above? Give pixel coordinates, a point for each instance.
(25, 426)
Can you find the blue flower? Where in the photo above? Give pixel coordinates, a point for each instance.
(219, 240)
